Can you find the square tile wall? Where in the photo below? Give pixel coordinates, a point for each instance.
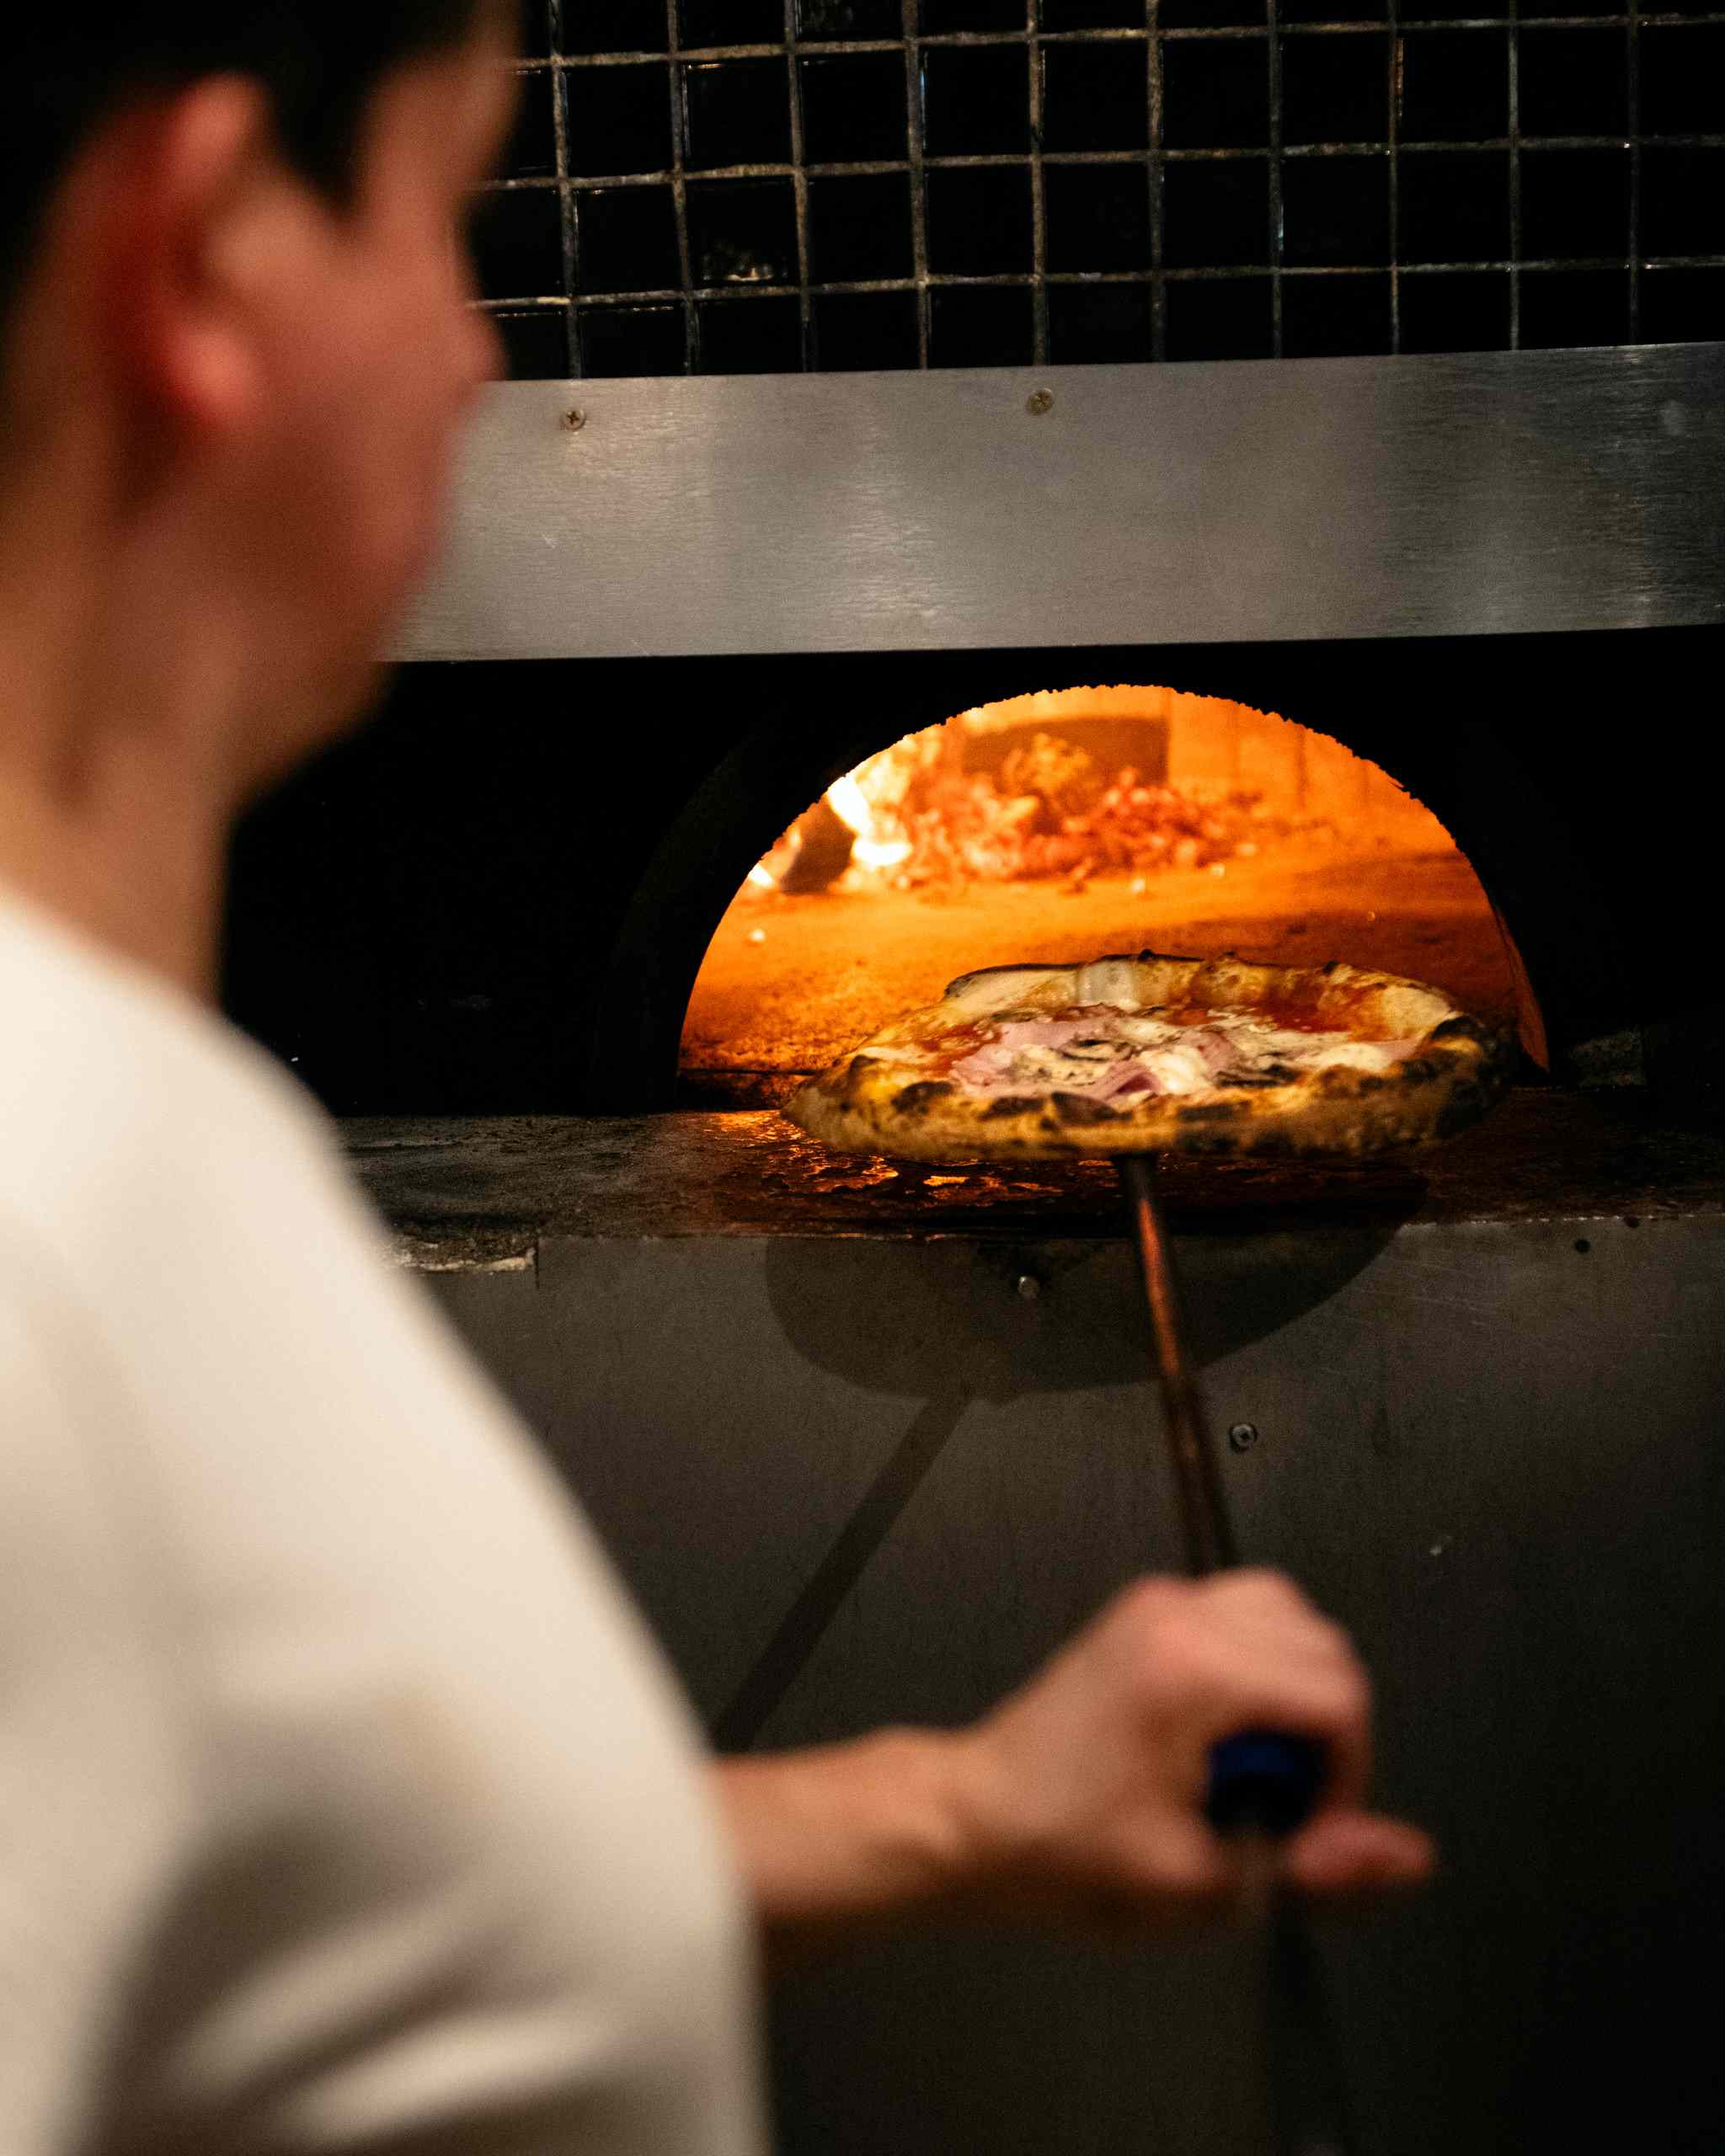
(727, 186)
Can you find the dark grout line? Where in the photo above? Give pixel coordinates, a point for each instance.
(1039, 199)
(1158, 248)
(915, 147)
(679, 197)
(1515, 179)
(1232, 273)
(1273, 61)
(963, 40)
(1632, 62)
(1538, 146)
(799, 189)
(567, 232)
(1392, 129)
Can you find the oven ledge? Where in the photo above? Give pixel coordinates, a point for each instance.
(484, 1194)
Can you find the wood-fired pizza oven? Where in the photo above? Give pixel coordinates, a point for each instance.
(1433, 641)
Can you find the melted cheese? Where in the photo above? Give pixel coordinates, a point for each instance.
(1118, 1055)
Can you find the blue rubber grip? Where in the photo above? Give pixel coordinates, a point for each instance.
(1263, 1779)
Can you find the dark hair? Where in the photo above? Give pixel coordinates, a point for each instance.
(319, 61)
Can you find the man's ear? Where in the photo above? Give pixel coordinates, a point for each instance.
(181, 218)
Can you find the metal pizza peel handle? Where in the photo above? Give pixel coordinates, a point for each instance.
(1265, 1779)
(1264, 1783)
(1259, 1779)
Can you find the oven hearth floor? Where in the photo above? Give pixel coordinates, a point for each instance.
(479, 1194)
(829, 968)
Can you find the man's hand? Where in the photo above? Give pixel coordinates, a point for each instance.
(1078, 1803)
(1083, 1794)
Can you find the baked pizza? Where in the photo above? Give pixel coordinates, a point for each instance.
(1151, 1054)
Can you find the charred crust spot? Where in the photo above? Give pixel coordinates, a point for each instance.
(1210, 1112)
(1079, 1108)
(1277, 1074)
(1418, 1069)
(1011, 1104)
(915, 1100)
(1460, 1027)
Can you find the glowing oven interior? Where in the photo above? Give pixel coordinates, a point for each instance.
(1060, 826)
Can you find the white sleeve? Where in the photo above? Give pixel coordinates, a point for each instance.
(345, 1804)
(91, 1798)
(314, 1840)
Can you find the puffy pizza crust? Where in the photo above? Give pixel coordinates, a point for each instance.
(876, 1100)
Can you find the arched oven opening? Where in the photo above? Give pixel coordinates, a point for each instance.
(498, 899)
(1364, 781)
(1063, 823)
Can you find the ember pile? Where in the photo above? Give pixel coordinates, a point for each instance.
(1047, 812)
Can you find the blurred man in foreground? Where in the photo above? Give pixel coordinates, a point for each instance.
(343, 1803)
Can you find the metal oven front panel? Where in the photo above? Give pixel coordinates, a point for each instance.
(865, 1478)
(1239, 502)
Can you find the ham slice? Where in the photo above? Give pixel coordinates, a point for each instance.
(1112, 1055)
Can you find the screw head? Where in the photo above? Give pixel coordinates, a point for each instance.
(1038, 402)
(574, 419)
(1028, 1287)
(1243, 1436)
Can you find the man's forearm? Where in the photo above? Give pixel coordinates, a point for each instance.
(1077, 1803)
(848, 1838)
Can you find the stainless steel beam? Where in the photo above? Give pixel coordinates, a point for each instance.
(1242, 502)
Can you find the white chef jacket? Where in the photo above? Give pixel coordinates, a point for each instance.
(343, 1803)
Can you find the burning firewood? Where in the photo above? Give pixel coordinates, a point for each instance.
(820, 850)
(915, 817)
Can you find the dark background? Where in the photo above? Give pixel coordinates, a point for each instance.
(748, 186)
